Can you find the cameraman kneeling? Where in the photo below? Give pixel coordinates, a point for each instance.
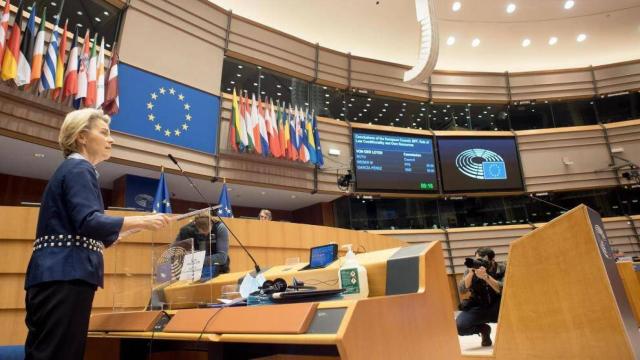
(483, 278)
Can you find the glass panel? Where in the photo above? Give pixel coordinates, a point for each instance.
(284, 88)
(449, 117)
(573, 113)
(472, 212)
(530, 116)
(380, 110)
(489, 117)
(614, 108)
(328, 101)
(242, 76)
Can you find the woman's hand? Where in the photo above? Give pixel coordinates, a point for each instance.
(145, 222)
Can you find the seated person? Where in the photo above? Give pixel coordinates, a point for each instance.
(264, 215)
(209, 234)
(484, 285)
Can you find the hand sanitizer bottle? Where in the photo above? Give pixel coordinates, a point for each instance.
(353, 277)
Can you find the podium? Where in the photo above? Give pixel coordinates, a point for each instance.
(562, 299)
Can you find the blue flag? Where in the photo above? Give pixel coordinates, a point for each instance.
(316, 140)
(225, 209)
(159, 109)
(162, 202)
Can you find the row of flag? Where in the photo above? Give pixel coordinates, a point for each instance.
(23, 59)
(273, 129)
(162, 200)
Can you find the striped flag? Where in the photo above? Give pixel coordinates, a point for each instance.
(71, 71)
(12, 50)
(38, 50)
(62, 49)
(263, 137)
(47, 81)
(254, 131)
(235, 113)
(248, 128)
(241, 129)
(23, 76)
(100, 76)
(111, 103)
(281, 126)
(92, 74)
(274, 140)
(4, 28)
(309, 140)
(293, 148)
(83, 65)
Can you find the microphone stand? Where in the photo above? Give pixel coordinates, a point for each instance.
(255, 263)
(547, 202)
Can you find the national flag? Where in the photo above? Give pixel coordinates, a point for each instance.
(304, 141)
(241, 129)
(274, 140)
(281, 120)
(111, 103)
(293, 115)
(100, 76)
(12, 50)
(23, 76)
(62, 49)
(4, 28)
(92, 74)
(71, 70)
(262, 126)
(49, 71)
(287, 130)
(225, 203)
(248, 128)
(38, 50)
(235, 113)
(83, 68)
(310, 141)
(162, 200)
(255, 128)
(316, 140)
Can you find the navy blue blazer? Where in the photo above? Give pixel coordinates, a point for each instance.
(72, 228)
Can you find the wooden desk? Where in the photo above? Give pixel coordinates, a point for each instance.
(630, 275)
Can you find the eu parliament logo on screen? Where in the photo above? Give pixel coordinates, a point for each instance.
(477, 163)
(481, 164)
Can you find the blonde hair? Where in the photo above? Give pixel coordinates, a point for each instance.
(74, 123)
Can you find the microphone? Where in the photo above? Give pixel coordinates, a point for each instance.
(255, 263)
(547, 202)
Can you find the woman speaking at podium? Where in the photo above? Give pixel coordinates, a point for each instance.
(66, 265)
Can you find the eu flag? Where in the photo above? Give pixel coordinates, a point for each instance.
(159, 109)
(162, 202)
(225, 204)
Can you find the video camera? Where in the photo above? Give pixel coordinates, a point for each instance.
(473, 263)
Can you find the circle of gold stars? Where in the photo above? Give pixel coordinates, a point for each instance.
(158, 126)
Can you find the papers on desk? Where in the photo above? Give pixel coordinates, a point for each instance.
(251, 284)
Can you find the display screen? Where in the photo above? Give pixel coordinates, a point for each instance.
(386, 161)
(322, 256)
(479, 164)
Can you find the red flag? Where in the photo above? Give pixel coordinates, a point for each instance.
(71, 72)
(111, 103)
(12, 51)
(4, 27)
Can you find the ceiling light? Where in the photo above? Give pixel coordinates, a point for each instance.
(569, 4)
(511, 8)
(451, 40)
(525, 43)
(106, 13)
(553, 40)
(79, 13)
(456, 6)
(293, 196)
(97, 19)
(263, 193)
(38, 155)
(475, 42)
(581, 37)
